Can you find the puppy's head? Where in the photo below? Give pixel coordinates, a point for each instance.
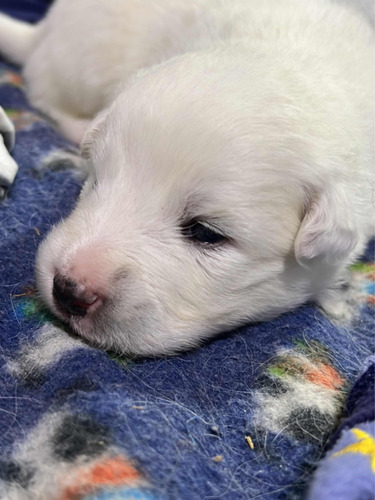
(187, 222)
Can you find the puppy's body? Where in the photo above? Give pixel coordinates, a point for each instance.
(80, 56)
(255, 119)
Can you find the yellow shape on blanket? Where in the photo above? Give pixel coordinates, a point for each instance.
(365, 445)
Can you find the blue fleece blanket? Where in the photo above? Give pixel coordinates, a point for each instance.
(26, 10)
(277, 410)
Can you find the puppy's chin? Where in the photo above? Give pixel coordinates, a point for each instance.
(88, 328)
(138, 340)
(83, 327)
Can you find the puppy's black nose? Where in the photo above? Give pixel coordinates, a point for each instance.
(65, 293)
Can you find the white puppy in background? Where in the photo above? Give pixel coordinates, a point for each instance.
(231, 162)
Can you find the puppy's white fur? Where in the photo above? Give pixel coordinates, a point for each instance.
(256, 117)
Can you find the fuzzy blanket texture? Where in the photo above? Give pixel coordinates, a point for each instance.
(277, 410)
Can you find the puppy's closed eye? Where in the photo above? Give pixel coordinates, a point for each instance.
(203, 234)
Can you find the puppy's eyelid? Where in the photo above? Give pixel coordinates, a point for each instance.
(204, 221)
(203, 234)
(211, 226)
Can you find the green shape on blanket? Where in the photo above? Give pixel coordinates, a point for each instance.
(29, 308)
(363, 267)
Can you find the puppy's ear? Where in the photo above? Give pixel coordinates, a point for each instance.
(327, 230)
(91, 134)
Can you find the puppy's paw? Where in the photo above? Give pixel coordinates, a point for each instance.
(337, 305)
(64, 159)
(8, 167)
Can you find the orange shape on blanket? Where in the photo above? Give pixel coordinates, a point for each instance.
(325, 376)
(112, 471)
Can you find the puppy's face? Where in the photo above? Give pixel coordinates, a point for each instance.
(186, 223)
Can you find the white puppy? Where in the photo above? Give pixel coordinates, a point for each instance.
(231, 161)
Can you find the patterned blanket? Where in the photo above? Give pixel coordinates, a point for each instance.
(250, 415)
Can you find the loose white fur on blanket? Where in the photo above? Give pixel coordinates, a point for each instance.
(231, 161)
